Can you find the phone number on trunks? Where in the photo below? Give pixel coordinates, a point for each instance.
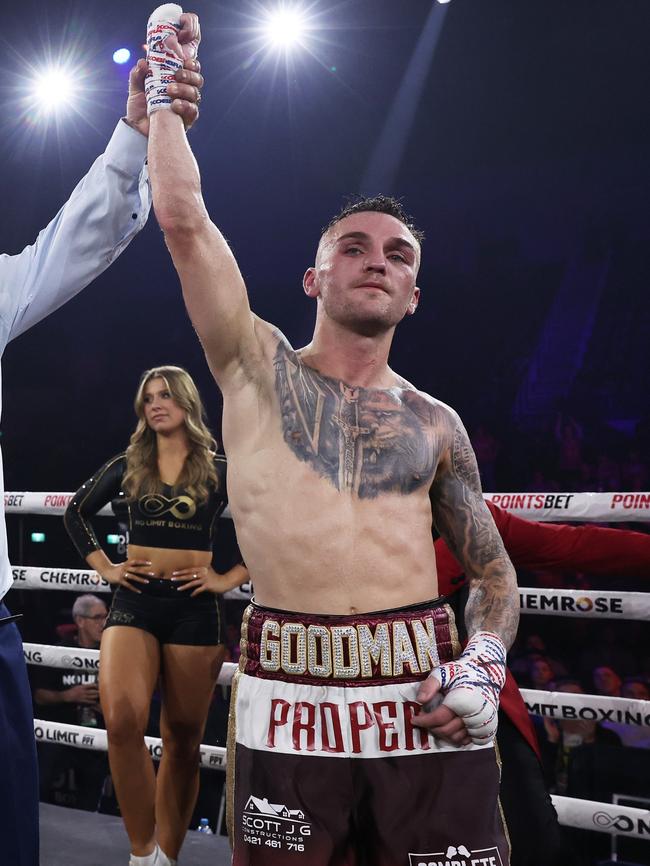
(273, 843)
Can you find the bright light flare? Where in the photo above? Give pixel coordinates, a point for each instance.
(285, 27)
(122, 55)
(53, 89)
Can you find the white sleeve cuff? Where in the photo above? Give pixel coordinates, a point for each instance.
(126, 150)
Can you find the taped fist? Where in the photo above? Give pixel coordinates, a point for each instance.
(471, 685)
(172, 41)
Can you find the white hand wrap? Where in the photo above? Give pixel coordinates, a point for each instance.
(472, 683)
(163, 63)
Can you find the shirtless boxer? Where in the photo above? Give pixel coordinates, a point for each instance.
(332, 760)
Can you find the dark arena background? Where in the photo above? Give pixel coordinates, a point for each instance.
(518, 136)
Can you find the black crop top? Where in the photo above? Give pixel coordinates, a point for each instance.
(171, 519)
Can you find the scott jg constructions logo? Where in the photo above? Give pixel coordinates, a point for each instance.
(275, 825)
(458, 856)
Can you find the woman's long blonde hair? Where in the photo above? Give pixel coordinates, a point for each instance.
(198, 475)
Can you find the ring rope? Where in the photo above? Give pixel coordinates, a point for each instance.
(52, 504)
(555, 705)
(605, 817)
(566, 507)
(77, 658)
(585, 814)
(212, 757)
(84, 580)
(605, 507)
(587, 708)
(585, 603)
(557, 602)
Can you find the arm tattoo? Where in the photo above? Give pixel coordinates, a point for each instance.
(365, 441)
(464, 520)
(464, 461)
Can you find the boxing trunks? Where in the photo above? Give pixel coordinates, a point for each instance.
(325, 767)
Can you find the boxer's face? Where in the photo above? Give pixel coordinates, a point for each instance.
(162, 413)
(365, 272)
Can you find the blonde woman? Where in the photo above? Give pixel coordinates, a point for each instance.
(164, 619)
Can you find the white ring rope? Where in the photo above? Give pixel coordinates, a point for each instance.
(52, 504)
(559, 602)
(584, 814)
(587, 708)
(605, 507)
(76, 658)
(555, 705)
(605, 817)
(585, 603)
(84, 580)
(565, 507)
(212, 757)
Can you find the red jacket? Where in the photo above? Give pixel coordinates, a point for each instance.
(531, 545)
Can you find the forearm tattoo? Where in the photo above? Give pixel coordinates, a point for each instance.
(365, 441)
(464, 520)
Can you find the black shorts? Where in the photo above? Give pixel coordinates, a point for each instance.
(169, 615)
(325, 767)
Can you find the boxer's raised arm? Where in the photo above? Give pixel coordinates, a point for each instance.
(213, 288)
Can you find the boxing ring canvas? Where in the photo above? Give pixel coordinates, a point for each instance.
(92, 839)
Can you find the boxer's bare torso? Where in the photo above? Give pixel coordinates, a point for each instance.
(329, 485)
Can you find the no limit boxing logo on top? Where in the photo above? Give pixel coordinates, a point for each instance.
(458, 856)
(155, 505)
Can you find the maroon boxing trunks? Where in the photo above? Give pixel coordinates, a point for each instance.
(325, 767)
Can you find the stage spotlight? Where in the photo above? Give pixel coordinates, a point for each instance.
(52, 89)
(444, 1)
(122, 55)
(285, 27)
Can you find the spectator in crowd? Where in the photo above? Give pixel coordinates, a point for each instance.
(635, 736)
(72, 777)
(534, 649)
(73, 696)
(606, 681)
(559, 739)
(540, 672)
(636, 689)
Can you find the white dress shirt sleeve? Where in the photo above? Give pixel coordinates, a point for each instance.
(105, 211)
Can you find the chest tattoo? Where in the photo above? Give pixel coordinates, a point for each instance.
(362, 440)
